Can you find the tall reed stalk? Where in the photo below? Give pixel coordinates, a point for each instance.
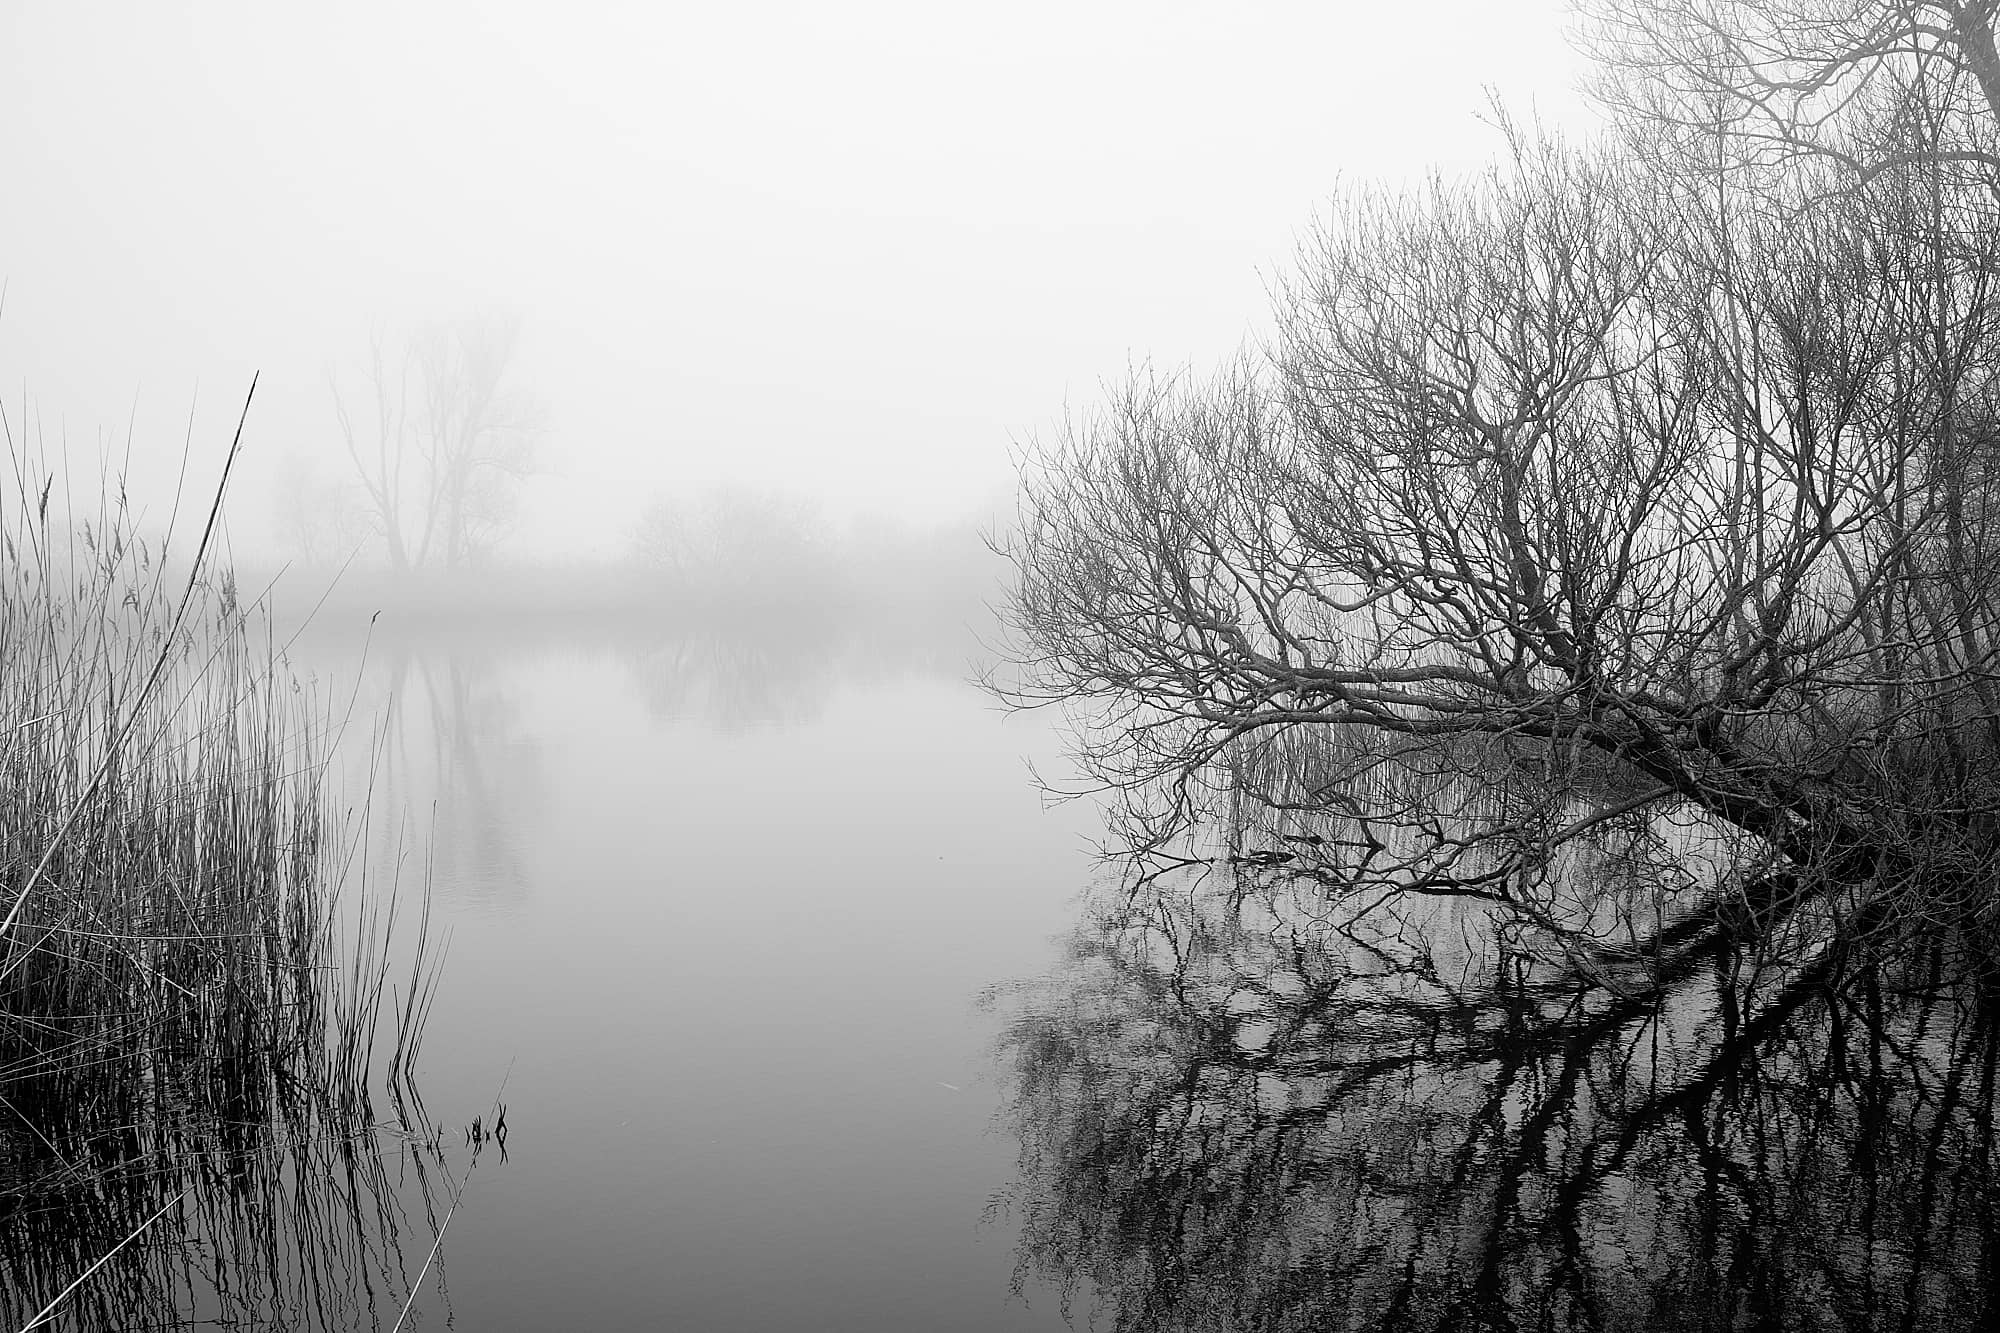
(187, 1032)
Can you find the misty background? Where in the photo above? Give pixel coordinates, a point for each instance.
(747, 257)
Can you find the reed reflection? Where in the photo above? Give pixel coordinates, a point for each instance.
(1241, 1108)
(303, 1215)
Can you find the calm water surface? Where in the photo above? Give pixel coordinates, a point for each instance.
(803, 1020)
(720, 923)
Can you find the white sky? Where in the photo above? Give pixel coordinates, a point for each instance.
(852, 249)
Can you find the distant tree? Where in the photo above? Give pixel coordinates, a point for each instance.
(445, 443)
(736, 541)
(321, 512)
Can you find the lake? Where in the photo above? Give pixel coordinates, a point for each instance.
(805, 1010)
(721, 911)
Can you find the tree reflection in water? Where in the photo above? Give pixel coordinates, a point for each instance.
(1239, 1109)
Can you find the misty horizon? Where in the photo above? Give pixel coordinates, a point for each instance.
(858, 257)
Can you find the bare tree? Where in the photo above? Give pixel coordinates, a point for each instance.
(1591, 544)
(447, 444)
(742, 547)
(1871, 86)
(319, 508)
(1543, 701)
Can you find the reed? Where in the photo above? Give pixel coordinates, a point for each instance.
(189, 1014)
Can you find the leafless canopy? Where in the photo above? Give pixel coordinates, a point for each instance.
(445, 442)
(1595, 531)
(1868, 86)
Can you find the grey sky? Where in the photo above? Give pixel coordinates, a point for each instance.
(851, 249)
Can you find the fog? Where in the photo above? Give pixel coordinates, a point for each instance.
(637, 388)
(848, 256)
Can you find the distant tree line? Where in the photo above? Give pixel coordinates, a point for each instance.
(747, 548)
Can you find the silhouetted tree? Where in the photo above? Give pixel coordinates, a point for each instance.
(1584, 516)
(1550, 705)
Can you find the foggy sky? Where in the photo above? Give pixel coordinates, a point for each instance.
(855, 250)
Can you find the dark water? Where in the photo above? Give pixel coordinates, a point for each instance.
(720, 914)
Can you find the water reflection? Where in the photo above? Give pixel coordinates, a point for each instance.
(674, 974)
(740, 669)
(1239, 1109)
(297, 1217)
(209, 1148)
(740, 675)
(455, 752)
